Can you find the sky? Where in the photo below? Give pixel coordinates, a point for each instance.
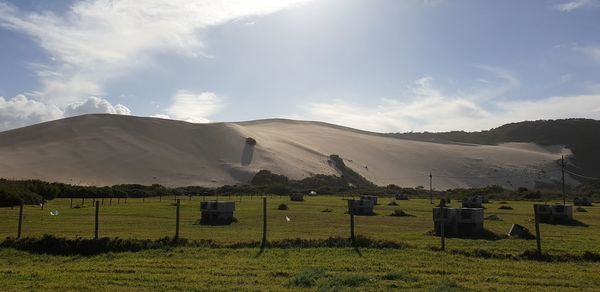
(377, 65)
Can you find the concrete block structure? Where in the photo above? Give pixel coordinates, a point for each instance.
(582, 201)
(372, 198)
(217, 212)
(458, 221)
(401, 197)
(473, 202)
(297, 197)
(554, 214)
(360, 207)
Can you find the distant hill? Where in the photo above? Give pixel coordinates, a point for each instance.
(581, 136)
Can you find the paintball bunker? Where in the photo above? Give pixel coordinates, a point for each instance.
(473, 202)
(372, 198)
(458, 221)
(216, 212)
(519, 231)
(298, 197)
(553, 214)
(401, 197)
(582, 201)
(360, 207)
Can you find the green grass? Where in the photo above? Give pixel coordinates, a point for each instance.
(194, 268)
(279, 269)
(153, 219)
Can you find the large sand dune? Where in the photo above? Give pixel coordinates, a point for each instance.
(114, 149)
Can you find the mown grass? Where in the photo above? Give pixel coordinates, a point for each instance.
(324, 269)
(492, 263)
(153, 220)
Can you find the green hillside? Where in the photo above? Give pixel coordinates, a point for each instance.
(581, 136)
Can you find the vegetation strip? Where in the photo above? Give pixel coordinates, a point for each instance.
(49, 244)
(53, 245)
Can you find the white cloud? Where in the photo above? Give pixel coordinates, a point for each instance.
(569, 6)
(590, 51)
(95, 105)
(192, 107)
(430, 109)
(98, 40)
(21, 111)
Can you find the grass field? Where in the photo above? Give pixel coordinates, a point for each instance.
(189, 268)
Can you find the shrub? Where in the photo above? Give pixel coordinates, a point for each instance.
(393, 203)
(505, 208)
(282, 207)
(250, 141)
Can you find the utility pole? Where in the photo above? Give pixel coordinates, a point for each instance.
(562, 167)
(430, 188)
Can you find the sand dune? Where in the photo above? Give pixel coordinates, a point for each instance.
(113, 149)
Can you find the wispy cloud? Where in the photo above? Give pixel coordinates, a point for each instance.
(592, 52)
(569, 6)
(192, 107)
(97, 40)
(428, 108)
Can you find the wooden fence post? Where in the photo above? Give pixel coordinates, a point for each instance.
(20, 220)
(96, 220)
(71, 203)
(537, 231)
(177, 221)
(443, 224)
(351, 212)
(263, 243)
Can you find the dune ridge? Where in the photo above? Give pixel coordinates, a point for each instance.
(105, 149)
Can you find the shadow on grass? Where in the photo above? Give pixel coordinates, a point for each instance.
(79, 246)
(530, 254)
(485, 235)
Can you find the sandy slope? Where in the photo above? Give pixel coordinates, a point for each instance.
(112, 149)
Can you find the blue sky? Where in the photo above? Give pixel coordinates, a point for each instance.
(380, 65)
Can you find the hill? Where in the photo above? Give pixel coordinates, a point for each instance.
(114, 149)
(581, 136)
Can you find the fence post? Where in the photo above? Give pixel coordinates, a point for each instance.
(82, 201)
(71, 203)
(443, 224)
(351, 212)
(263, 243)
(20, 220)
(537, 230)
(96, 221)
(177, 221)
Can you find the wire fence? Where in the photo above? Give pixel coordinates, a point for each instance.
(257, 218)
